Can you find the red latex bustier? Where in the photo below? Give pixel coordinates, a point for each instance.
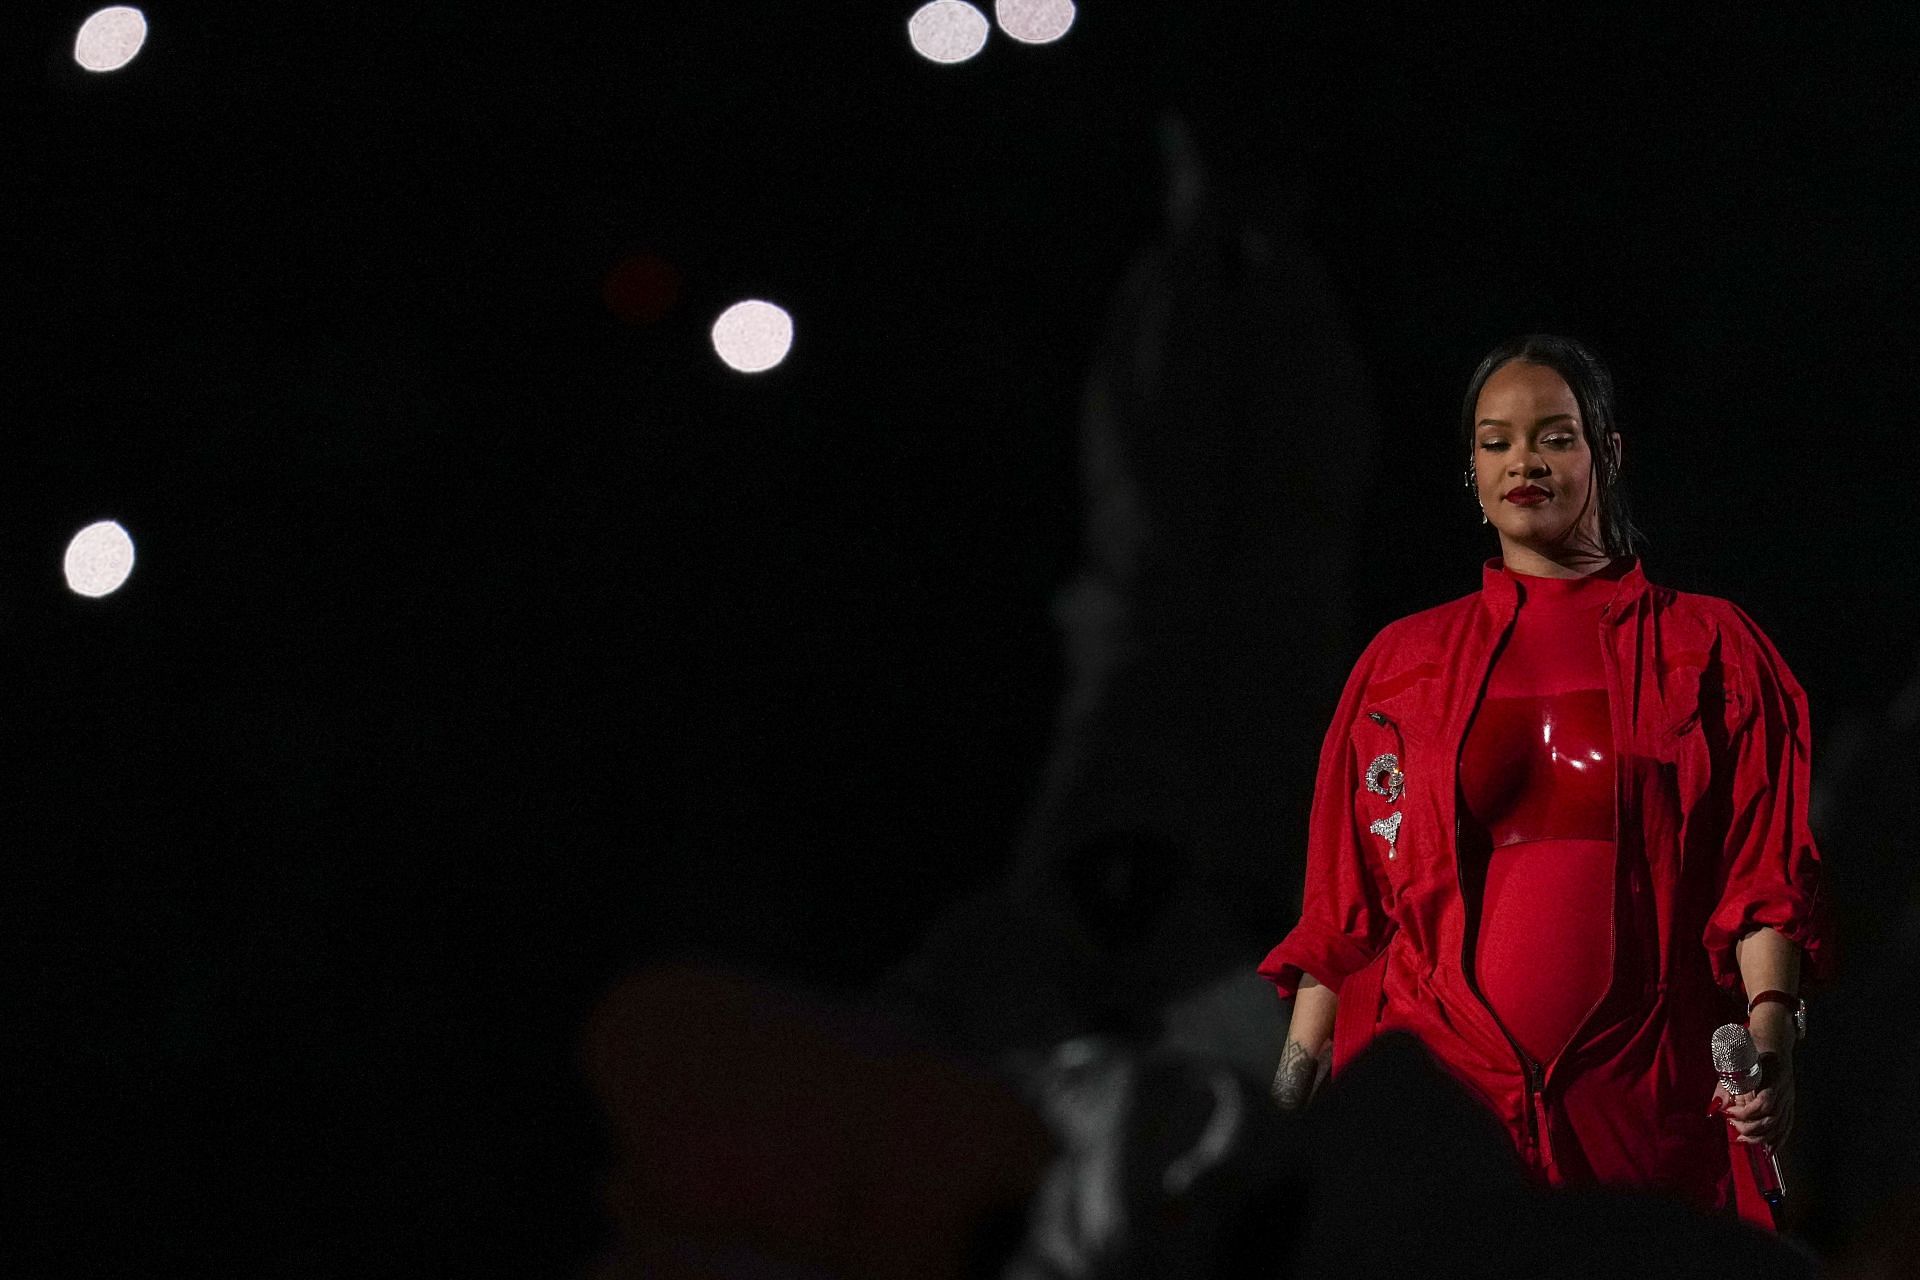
(1537, 809)
(1540, 767)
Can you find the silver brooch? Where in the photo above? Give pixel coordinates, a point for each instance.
(1384, 777)
(1389, 827)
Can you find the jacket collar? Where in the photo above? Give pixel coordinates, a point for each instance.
(1502, 596)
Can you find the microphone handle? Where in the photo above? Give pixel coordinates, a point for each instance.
(1766, 1174)
(1760, 1156)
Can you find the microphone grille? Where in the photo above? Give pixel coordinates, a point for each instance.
(1734, 1053)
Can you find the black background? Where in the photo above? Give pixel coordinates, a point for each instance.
(482, 645)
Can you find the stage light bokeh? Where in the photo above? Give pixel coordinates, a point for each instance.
(110, 39)
(753, 336)
(948, 31)
(641, 289)
(1034, 21)
(99, 559)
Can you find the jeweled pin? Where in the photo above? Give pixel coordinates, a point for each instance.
(1384, 777)
(1389, 827)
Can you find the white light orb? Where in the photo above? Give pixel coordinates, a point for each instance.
(99, 559)
(1034, 21)
(110, 38)
(948, 31)
(753, 336)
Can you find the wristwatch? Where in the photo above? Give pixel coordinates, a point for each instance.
(1798, 1006)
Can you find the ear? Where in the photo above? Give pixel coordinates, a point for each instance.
(1613, 441)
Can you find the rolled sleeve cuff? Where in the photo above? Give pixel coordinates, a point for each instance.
(1328, 955)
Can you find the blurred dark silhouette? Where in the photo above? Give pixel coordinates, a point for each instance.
(1217, 551)
(1857, 1163)
(760, 1131)
(1169, 1166)
(1118, 884)
(1217, 547)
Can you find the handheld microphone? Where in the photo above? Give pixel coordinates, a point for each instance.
(1736, 1060)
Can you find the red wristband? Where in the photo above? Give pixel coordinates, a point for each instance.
(1794, 1003)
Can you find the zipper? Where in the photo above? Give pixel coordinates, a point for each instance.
(1537, 1134)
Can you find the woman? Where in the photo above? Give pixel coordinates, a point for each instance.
(1559, 826)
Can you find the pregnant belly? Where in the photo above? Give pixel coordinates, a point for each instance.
(1543, 951)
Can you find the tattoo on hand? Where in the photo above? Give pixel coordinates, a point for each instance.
(1299, 1074)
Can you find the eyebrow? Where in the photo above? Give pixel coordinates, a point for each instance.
(1498, 422)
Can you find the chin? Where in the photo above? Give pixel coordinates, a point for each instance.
(1540, 535)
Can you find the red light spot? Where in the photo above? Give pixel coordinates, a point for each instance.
(641, 289)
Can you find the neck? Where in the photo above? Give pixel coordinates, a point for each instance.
(1563, 561)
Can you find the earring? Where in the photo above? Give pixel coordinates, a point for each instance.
(1467, 480)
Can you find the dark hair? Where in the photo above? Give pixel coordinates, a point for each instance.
(1592, 389)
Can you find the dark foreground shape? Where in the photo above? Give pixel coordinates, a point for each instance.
(1411, 1177)
(762, 1132)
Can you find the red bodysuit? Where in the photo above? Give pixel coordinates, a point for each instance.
(1537, 816)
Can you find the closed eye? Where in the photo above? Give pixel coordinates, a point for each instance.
(1557, 442)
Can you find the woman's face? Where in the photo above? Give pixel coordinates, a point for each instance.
(1528, 439)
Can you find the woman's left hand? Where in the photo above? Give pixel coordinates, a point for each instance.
(1764, 1115)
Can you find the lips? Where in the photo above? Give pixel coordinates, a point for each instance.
(1526, 495)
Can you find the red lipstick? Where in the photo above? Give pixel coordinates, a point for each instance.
(1526, 495)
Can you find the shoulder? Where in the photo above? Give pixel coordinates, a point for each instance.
(1413, 648)
(1426, 628)
(1747, 654)
(1733, 626)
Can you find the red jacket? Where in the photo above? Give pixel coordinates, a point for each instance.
(1711, 754)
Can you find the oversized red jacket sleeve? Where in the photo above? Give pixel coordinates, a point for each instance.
(1770, 868)
(1343, 924)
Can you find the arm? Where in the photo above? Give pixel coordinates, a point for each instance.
(1768, 962)
(1770, 866)
(1344, 921)
(1769, 929)
(1308, 1054)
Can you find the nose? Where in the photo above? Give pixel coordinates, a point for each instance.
(1526, 462)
